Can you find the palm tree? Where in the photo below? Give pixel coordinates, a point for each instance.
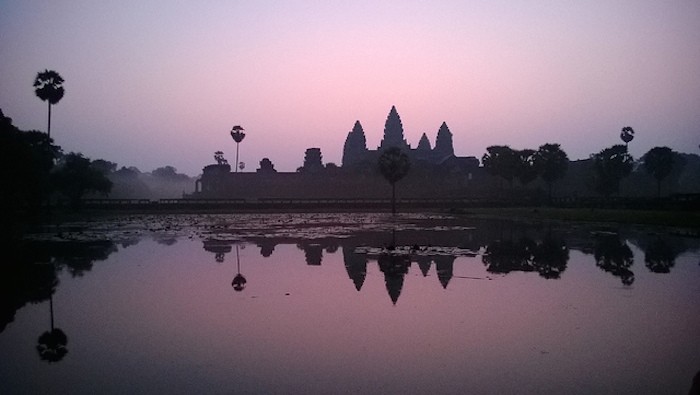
(48, 86)
(238, 136)
(393, 165)
(627, 134)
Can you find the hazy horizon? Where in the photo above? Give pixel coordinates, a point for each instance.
(153, 84)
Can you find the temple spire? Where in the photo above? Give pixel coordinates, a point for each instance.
(443, 142)
(393, 132)
(423, 143)
(355, 147)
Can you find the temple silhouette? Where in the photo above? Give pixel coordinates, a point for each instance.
(357, 177)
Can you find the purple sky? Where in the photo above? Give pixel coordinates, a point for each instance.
(153, 83)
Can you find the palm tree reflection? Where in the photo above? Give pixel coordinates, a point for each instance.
(51, 345)
(239, 281)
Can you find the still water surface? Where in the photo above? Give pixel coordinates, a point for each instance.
(350, 303)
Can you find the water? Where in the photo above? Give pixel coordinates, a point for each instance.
(350, 303)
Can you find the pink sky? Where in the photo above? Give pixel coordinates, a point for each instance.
(151, 83)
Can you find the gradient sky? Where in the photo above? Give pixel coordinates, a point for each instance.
(154, 83)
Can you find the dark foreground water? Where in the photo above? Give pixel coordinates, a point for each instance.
(349, 303)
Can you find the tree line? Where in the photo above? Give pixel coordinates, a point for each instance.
(550, 163)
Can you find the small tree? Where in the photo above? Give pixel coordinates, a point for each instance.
(611, 165)
(659, 162)
(75, 177)
(552, 164)
(393, 165)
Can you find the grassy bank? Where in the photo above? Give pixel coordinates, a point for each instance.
(684, 219)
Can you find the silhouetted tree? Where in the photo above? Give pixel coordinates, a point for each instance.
(169, 173)
(75, 177)
(627, 134)
(393, 165)
(266, 166)
(26, 159)
(526, 170)
(552, 163)
(501, 161)
(48, 86)
(659, 162)
(237, 135)
(219, 158)
(611, 165)
(104, 166)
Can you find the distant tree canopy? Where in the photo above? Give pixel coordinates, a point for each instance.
(501, 161)
(76, 176)
(104, 166)
(526, 171)
(266, 166)
(659, 162)
(611, 165)
(168, 173)
(551, 162)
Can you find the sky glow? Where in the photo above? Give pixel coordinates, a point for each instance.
(159, 83)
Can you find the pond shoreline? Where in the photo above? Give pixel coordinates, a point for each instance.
(686, 222)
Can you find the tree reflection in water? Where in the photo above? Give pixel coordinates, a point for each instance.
(614, 256)
(239, 281)
(51, 345)
(505, 256)
(550, 258)
(659, 256)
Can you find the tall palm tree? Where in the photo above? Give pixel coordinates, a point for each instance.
(393, 165)
(627, 134)
(48, 86)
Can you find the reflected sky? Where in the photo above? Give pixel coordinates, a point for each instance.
(388, 308)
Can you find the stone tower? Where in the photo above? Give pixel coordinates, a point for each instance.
(424, 144)
(355, 149)
(393, 132)
(443, 142)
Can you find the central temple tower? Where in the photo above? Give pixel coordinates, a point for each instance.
(393, 132)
